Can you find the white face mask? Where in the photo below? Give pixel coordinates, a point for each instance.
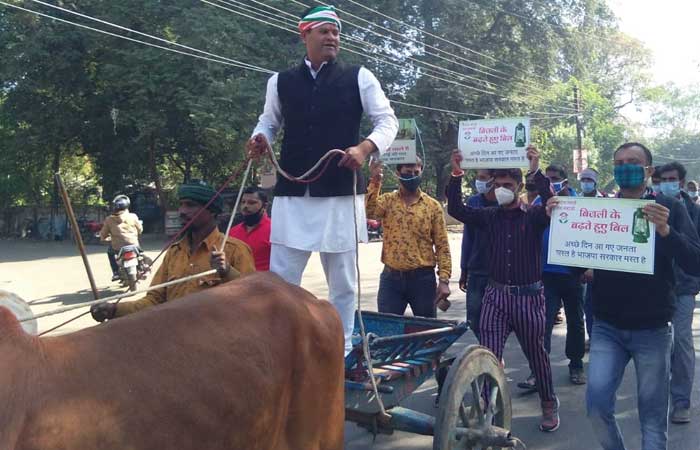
(504, 196)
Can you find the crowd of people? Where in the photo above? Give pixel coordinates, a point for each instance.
(509, 285)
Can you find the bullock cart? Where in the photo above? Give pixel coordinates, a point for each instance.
(474, 410)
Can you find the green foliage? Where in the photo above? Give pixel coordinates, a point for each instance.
(109, 113)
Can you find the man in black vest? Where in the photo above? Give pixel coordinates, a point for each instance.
(320, 103)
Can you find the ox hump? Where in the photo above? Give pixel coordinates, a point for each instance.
(12, 310)
(9, 325)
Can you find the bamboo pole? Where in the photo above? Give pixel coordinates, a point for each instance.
(76, 233)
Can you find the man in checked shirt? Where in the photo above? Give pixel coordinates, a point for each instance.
(514, 297)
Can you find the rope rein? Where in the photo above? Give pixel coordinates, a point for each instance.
(305, 178)
(363, 334)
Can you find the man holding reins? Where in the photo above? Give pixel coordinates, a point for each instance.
(319, 103)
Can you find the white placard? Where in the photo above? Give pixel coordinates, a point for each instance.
(403, 149)
(494, 143)
(602, 233)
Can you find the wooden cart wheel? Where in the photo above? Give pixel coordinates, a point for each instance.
(465, 420)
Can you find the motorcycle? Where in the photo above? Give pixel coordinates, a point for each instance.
(89, 230)
(133, 266)
(374, 229)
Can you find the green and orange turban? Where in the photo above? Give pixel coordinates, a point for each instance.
(318, 16)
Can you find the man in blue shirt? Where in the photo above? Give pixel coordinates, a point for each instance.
(474, 276)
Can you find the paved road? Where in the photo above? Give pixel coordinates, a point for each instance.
(51, 274)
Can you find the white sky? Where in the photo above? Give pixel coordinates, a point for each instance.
(671, 30)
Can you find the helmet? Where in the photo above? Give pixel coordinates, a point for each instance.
(121, 202)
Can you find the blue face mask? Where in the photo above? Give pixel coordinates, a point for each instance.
(482, 187)
(629, 176)
(656, 188)
(670, 188)
(587, 186)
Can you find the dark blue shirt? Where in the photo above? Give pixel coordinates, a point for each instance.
(475, 241)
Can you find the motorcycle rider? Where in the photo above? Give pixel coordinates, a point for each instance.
(121, 228)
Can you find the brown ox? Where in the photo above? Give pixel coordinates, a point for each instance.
(252, 364)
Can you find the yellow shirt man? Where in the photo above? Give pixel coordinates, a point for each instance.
(415, 241)
(179, 263)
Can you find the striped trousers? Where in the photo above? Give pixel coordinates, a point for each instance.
(502, 313)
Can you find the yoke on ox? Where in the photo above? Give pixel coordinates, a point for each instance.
(253, 364)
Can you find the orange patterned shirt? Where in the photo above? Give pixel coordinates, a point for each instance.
(415, 236)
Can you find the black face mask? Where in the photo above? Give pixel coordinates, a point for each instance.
(410, 183)
(253, 219)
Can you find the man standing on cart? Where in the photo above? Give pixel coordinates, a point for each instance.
(320, 103)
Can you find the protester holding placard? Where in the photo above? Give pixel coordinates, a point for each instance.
(414, 242)
(633, 311)
(474, 276)
(672, 177)
(514, 297)
(562, 286)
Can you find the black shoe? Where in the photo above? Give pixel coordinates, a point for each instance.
(577, 376)
(115, 277)
(528, 384)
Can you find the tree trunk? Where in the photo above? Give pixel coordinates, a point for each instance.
(155, 176)
(55, 168)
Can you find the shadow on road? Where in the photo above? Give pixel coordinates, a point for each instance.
(84, 295)
(24, 250)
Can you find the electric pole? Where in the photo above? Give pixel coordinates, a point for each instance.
(579, 126)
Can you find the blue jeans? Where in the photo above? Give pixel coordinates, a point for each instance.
(476, 285)
(397, 290)
(683, 355)
(611, 350)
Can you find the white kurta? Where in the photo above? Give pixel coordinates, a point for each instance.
(325, 224)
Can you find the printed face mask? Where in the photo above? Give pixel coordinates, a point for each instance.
(629, 176)
(504, 196)
(558, 186)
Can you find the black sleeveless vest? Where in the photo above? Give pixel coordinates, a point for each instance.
(319, 115)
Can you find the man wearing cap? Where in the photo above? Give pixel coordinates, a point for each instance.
(197, 251)
(320, 103)
(589, 183)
